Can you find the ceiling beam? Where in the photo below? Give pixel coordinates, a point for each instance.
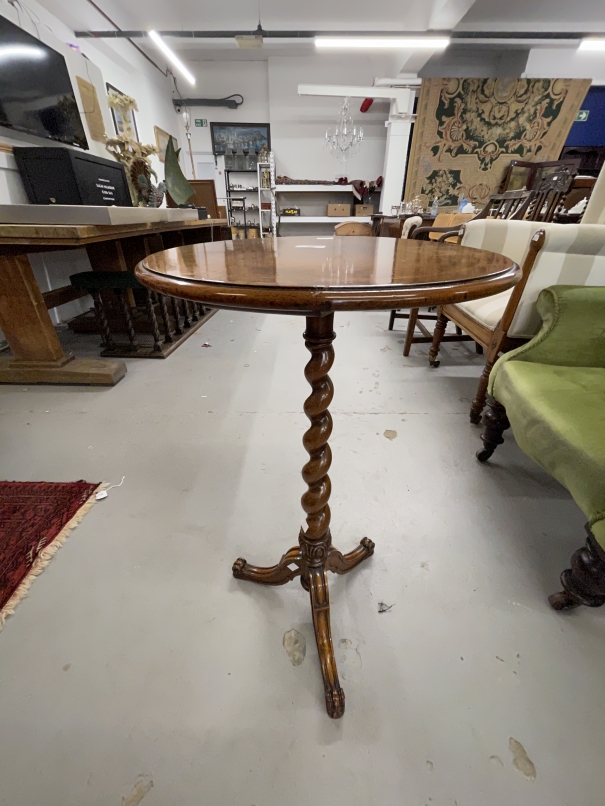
(459, 36)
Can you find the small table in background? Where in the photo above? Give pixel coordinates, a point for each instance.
(314, 278)
(37, 354)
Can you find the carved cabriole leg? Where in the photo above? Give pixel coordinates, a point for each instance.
(437, 337)
(315, 554)
(496, 423)
(273, 575)
(584, 582)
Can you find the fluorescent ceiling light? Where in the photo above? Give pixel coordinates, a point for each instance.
(415, 42)
(594, 43)
(171, 56)
(10, 52)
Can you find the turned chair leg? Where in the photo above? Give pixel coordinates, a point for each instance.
(437, 337)
(409, 335)
(584, 582)
(496, 423)
(478, 403)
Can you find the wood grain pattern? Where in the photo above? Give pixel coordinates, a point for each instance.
(309, 275)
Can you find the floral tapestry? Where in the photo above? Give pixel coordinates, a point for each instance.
(469, 129)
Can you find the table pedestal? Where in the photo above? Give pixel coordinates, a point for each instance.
(315, 553)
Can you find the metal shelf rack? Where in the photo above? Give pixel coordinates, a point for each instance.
(266, 195)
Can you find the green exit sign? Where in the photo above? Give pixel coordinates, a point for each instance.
(582, 115)
(201, 122)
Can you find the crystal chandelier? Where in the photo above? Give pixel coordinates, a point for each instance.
(344, 139)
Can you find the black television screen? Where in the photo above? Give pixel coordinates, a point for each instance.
(36, 95)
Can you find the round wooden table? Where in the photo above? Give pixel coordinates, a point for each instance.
(315, 277)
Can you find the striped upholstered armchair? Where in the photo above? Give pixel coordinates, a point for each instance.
(550, 254)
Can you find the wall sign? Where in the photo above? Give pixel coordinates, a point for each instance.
(201, 122)
(582, 115)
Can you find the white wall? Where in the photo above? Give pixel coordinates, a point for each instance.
(299, 123)
(122, 66)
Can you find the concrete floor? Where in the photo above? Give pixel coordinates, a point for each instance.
(138, 658)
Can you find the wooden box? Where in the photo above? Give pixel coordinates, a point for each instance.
(364, 209)
(339, 209)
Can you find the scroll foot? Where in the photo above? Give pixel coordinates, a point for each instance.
(272, 575)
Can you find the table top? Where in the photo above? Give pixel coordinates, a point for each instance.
(66, 235)
(314, 275)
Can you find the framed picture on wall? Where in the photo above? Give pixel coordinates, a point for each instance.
(161, 141)
(244, 136)
(118, 115)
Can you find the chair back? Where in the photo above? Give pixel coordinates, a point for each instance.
(573, 254)
(353, 228)
(511, 205)
(409, 225)
(549, 195)
(509, 238)
(595, 209)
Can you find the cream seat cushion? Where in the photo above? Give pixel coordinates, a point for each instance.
(487, 311)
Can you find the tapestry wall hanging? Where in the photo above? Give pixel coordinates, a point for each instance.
(468, 130)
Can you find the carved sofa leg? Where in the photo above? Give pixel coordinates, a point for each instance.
(496, 423)
(584, 582)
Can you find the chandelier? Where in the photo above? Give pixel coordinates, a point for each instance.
(344, 139)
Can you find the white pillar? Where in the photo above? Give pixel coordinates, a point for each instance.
(399, 126)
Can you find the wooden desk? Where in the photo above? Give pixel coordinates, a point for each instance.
(314, 277)
(37, 353)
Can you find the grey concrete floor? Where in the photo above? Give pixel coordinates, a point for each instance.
(137, 657)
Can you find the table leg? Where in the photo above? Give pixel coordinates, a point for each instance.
(37, 353)
(315, 553)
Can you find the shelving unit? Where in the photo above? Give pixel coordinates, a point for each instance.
(265, 193)
(234, 194)
(313, 201)
(323, 219)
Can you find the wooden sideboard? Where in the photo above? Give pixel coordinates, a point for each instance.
(37, 354)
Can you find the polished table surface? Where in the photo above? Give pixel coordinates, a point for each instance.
(310, 274)
(314, 277)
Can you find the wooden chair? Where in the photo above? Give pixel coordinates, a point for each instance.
(549, 254)
(549, 195)
(511, 205)
(353, 228)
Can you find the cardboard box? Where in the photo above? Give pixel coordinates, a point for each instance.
(364, 209)
(339, 209)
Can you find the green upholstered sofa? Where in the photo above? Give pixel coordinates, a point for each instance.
(551, 391)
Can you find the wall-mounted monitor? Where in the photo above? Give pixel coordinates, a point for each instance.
(36, 94)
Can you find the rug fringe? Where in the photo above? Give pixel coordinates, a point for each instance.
(46, 555)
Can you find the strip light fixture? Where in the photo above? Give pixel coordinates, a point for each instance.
(171, 56)
(376, 42)
(592, 43)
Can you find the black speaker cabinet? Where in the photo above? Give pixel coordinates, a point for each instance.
(64, 176)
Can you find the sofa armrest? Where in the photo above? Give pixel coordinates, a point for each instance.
(572, 332)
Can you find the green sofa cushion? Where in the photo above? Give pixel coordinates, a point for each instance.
(557, 414)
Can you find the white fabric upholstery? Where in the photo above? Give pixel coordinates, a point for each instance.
(414, 221)
(509, 238)
(573, 254)
(595, 209)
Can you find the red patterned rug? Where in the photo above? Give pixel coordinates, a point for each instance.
(35, 520)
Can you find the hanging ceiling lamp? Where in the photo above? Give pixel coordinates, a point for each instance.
(344, 139)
